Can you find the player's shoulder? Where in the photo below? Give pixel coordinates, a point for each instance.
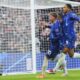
(72, 13)
(57, 22)
(57, 25)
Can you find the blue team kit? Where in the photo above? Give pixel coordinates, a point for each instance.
(68, 28)
(65, 37)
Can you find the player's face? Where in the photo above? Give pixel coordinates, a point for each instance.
(65, 9)
(51, 18)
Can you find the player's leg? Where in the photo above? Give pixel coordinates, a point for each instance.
(73, 54)
(58, 64)
(60, 59)
(64, 65)
(61, 62)
(71, 45)
(65, 50)
(63, 45)
(45, 64)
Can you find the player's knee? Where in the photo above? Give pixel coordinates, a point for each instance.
(71, 55)
(65, 50)
(44, 66)
(64, 62)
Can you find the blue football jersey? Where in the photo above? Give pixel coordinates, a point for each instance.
(68, 23)
(54, 36)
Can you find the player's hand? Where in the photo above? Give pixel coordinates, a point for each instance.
(43, 24)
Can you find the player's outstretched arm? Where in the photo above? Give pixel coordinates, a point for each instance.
(75, 17)
(44, 24)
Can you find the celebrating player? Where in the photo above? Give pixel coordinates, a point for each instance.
(54, 48)
(62, 40)
(69, 33)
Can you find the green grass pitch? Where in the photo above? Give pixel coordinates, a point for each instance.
(73, 75)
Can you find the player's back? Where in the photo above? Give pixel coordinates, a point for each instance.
(55, 32)
(55, 36)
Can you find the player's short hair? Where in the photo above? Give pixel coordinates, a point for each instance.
(69, 6)
(54, 14)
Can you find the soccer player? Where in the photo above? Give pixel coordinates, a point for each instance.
(62, 41)
(69, 33)
(54, 48)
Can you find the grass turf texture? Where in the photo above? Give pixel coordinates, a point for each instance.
(73, 75)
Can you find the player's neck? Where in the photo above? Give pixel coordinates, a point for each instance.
(53, 20)
(68, 11)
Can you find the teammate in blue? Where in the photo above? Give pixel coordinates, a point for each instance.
(68, 32)
(54, 37)
(54, 48)
(61, 46)
(69, 18)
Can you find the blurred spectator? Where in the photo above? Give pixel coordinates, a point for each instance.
(13, 31)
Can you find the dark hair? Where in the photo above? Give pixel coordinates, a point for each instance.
(69, 6)
(53, 14)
